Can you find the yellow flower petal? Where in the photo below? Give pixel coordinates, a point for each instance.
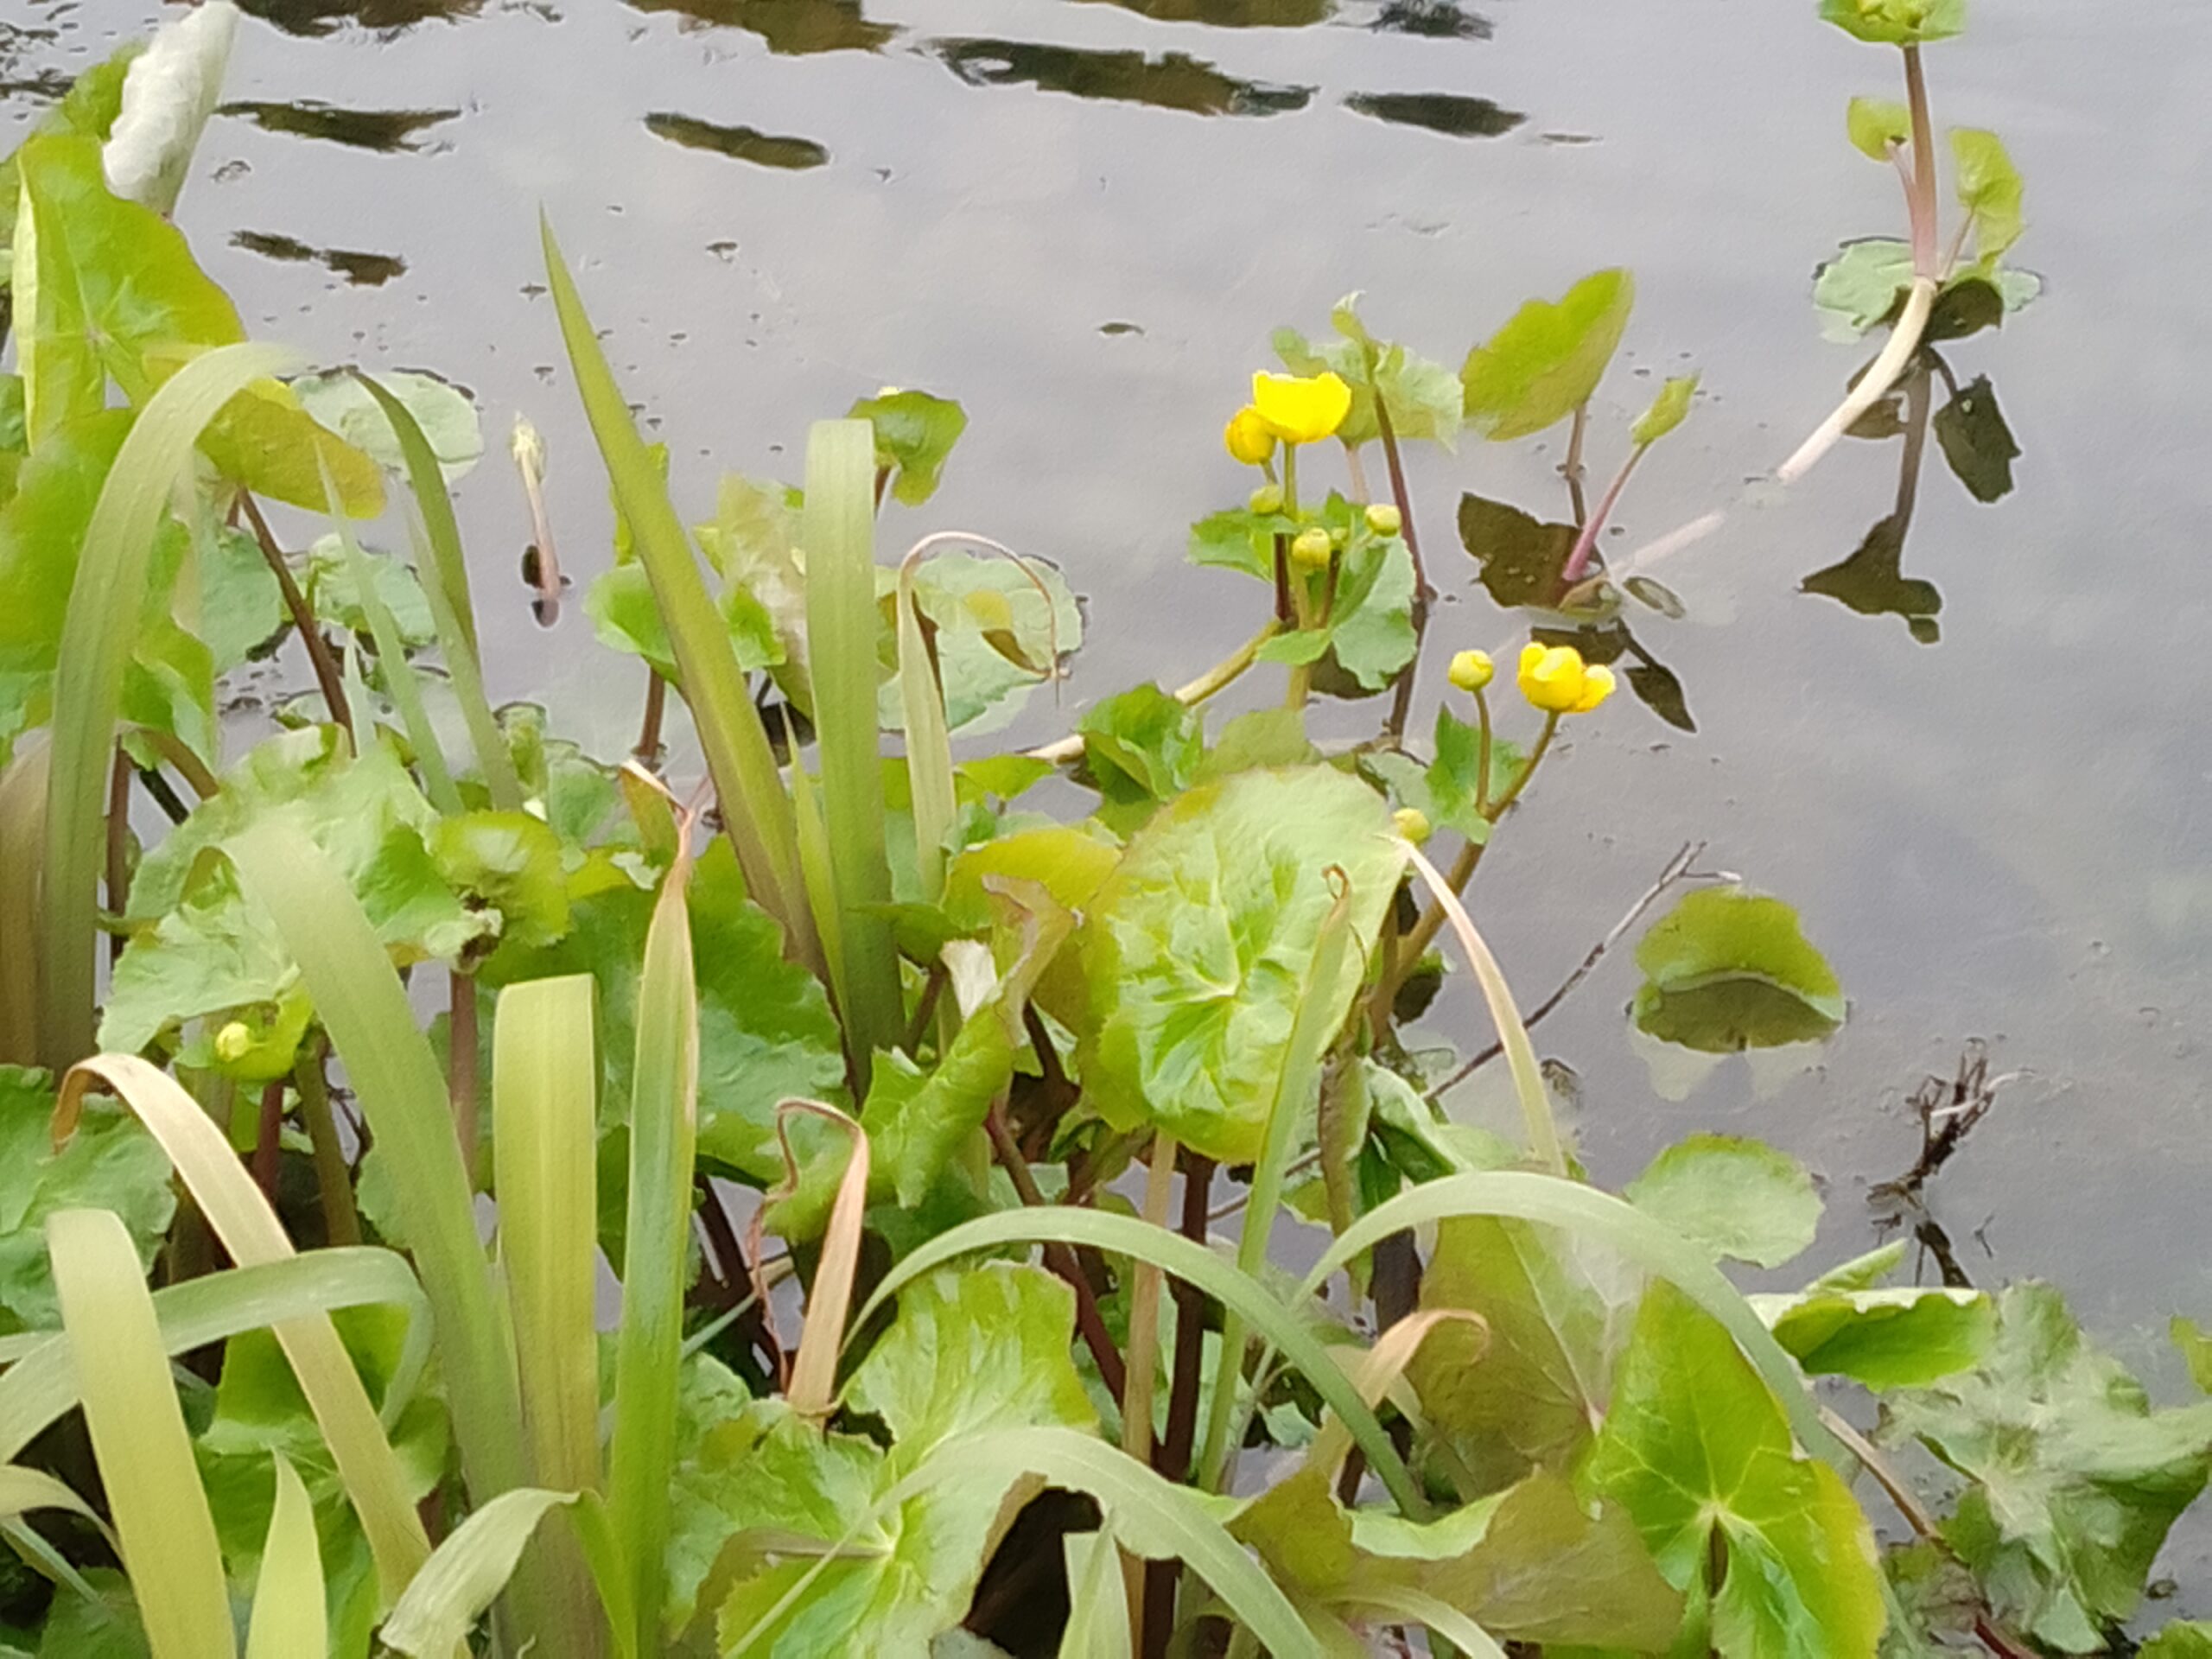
(1552, 677)
(1250, 438)
(1301, 408)
(1597, 686)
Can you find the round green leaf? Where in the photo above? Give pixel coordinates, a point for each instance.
(1196, 950)
(1739, 1199)
(1729, 969)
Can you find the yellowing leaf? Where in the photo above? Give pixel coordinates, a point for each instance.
(1875, 123)
(1669, 410)
(1989, 188)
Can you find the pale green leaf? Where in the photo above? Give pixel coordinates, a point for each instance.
(1195, 949)
(1875, 123)
(1989, 189)
(1544, 364)
(1669, 410)
(1907, 1337)
(1896, 22)
(1739, 1198)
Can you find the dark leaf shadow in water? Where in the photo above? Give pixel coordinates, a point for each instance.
(1873, 582)
(385, 130)
(361, 270)
(40, 86)
(791, 27)
(1979, 447)
(1233, 14)
(1435, 20)
(316, 17)
(1519, 557)
(743, 144)
(1970, 429)
(1612, 644)
(1449, 113)
(1170, 82)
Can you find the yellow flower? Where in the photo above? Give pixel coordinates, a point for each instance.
(1311, 547)
(1556, 680)
(1412, 823)
(1385, 520)
(1266, 500)
(1250, 438)
(233, 1043)
(1471, 670)
(1300, 409)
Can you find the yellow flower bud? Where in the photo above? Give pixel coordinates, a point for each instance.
(1412, 823)
(1311, 547)
(1301, 408)
(233, 1043)
(1250, 438)
(1471, 670)
(1385, 519)
(1266, 500)
(1555, 679)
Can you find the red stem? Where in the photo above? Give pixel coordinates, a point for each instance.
(1586, 543)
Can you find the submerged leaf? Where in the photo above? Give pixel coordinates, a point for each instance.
(1729, 969)
(445, 412)
(1544, 364)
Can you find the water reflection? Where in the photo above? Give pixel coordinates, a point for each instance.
(791, 26)
(1971, 432)
(44, 87)
(745, 143)
(1442, 20)
(1518, 559)
(379, 129)
(315, 18)
(1446, 112)
(1171, 81)
(1233, 14)
(361, 270)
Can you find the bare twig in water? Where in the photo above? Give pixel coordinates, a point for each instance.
(1947, 1108)
(1680, 868)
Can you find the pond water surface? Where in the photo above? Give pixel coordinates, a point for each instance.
(1082, 218)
